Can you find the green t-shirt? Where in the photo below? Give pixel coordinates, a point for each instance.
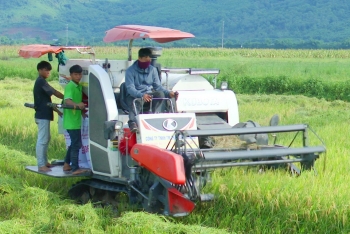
(71, 117)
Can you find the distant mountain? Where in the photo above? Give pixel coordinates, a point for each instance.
(263, 23)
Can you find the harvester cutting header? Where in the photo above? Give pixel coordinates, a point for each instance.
(165, 164)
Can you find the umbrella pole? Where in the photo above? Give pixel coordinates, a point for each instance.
(129, 50)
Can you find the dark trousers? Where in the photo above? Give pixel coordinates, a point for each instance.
(157, 105)
(72, 155)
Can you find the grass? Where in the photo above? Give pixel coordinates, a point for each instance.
(246, 201)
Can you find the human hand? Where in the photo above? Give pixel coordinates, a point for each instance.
(65, 77)
(176, 95)
(81, 105)
(173, 94)
(147, 98)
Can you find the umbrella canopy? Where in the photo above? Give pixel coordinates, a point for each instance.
(37, 50)
(158, 34)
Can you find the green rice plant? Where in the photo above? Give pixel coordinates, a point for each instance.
(247, 201)
(315, 73)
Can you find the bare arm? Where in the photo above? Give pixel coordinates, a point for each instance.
(66, 77)
(80, 105)
(58, 94)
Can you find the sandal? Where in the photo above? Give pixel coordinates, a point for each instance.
(66, 167)
(49, 165)
(44, 169)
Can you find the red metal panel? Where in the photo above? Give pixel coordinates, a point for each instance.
(37, 50)
(130, 137)
(178, 203)
(158, 34)
(163, 163)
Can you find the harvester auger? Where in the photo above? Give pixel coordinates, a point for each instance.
(164, 166)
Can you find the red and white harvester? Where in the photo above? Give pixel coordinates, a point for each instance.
(164, 166)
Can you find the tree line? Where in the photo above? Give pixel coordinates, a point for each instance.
(279, 24)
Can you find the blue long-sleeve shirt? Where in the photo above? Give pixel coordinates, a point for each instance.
(140, 81)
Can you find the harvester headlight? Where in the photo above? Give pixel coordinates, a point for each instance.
(223, 85)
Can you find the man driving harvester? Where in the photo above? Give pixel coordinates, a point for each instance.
(142, 81)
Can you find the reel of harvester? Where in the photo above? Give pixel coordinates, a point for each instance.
(199, 162)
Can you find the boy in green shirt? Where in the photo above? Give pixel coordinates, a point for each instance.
(72, 119)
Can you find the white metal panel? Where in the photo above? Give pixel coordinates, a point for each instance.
(158, 135)
(116, 72)
(84, 63)
(209, 101)
(179, 82)
(112, 114)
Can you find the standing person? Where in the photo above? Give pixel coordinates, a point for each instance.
(72, 119)
(42, 92)
(142, 81)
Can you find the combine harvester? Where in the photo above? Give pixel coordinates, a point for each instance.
(164, 166)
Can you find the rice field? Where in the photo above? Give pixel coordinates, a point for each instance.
(246, 201)
(326, 65)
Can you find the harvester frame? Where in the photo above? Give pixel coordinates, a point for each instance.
(163, 167)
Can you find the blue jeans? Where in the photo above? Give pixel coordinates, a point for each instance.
(43, 141)
(72, 155)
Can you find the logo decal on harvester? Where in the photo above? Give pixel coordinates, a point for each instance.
(169, 124)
